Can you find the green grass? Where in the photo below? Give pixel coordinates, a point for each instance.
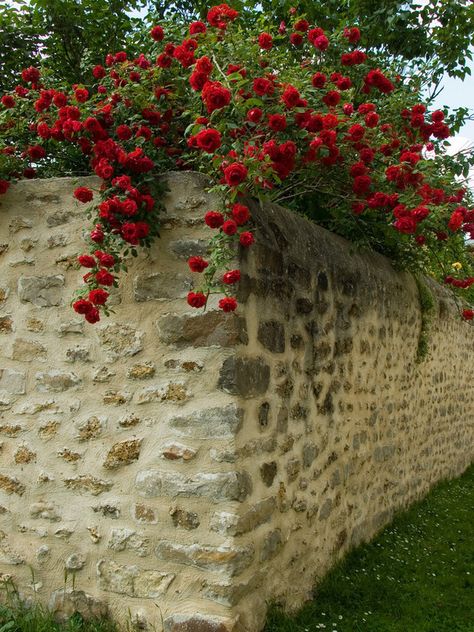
(416, 576)
(16, 617)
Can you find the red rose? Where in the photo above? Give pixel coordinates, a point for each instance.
(254, 115)
(265, 41)
(456, 220)
(93, 316)
(97, 234)
(228, 304)
(197, 27)
(468, 314)
(36, 152)
(235, 174)
(123, 132)
(405, 225)
(86, 261)
(231, 277)
(197, 80)
(240, 214)
(296, 39)
(215, 96)
(321, 42)
(157, 33)
(197, 264)
(372, 119)
(214, 219)
(204, 64)
(104, 278)
(98, 72)
(83, 194)
(291, 97)
(82, 306)
(262, 86)
(246, 239)
(229, 227)
(361, 184)
(4, 184)
(301, 25)
(352, 34)
(332, 98)
(318, 80)
(277, 122)
(208, 140)
(81, 95)
(98, 296)
(8, 101)
(30, 75)
(107, 260)
(164, 61)
(196, 299)
(220, 15)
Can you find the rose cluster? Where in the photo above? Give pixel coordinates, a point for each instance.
(278, 115)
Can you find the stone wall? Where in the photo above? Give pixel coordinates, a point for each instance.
(188, 467)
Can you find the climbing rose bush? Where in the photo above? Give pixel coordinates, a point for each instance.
(285, 113)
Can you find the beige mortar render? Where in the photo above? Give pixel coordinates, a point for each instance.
(191, 466)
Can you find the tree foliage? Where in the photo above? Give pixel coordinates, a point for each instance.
(435, 36)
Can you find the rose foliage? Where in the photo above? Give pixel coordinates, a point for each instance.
(284, 113)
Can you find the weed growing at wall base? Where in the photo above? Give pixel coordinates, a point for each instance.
(20, 618)
(417, 576)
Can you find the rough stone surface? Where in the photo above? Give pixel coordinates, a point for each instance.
(132, 580)
(211, 328)
(232, 560)
(197, 623)
(56, 381)
(185, 519)
(161, 285)
(222, 423)
(65, 603)
(43, 291)
(13, 382)
(123, 453)
(215, 487)
(246, 377)
(204, 462)
(121, 340)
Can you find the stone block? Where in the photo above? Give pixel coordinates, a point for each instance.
(225, 559)
(271, 334)
(13, 382)
(244, 376)
(28, 350)
(65, 603)
(214, 486)
(42, 291)
(188, 520)
(56, 381)
(161, 285)
(121, 340)
(88, 483)
(222, 422)
(237, 524)
(197, 623)
(132, 580)
(206, 329)
(128, 540)
(123, 453)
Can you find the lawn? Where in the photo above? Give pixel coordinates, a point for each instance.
(416, 576)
